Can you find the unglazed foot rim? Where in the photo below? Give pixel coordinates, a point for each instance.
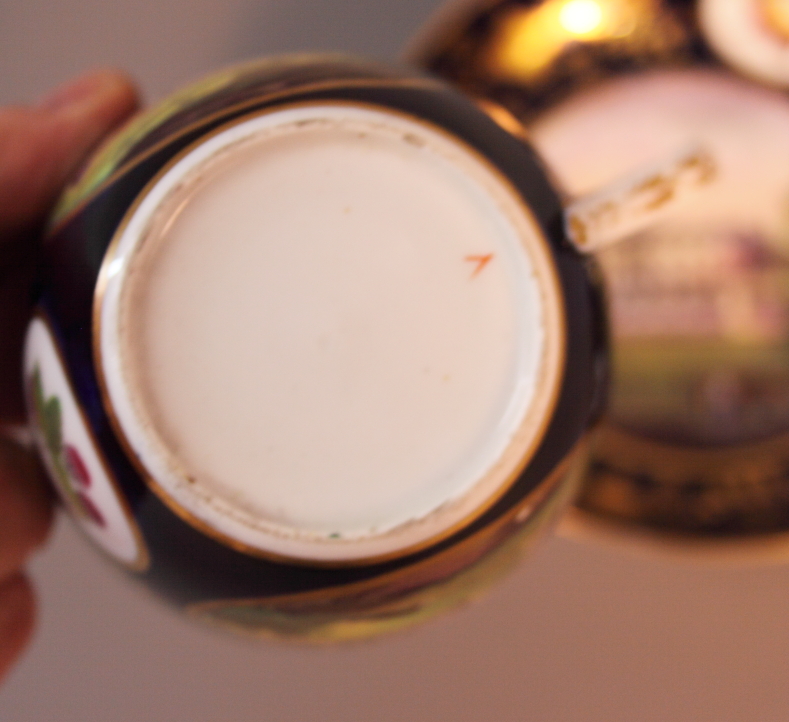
(523, 412)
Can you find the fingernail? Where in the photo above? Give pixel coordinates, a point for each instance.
(74, 92)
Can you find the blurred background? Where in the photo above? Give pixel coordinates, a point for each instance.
(581, 632)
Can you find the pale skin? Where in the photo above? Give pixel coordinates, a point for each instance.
(41, 147)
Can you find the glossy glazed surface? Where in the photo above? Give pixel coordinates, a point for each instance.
(364, 309)
(189, 562)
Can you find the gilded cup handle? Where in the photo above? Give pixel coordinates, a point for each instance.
(638, 200)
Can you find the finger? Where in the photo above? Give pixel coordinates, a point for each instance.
(25, 507)
(17, 616)
(41, 146)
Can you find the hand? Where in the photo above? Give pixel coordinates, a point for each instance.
(40, 148)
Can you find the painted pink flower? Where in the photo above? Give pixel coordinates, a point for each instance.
(76, 466)
(91, 509)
